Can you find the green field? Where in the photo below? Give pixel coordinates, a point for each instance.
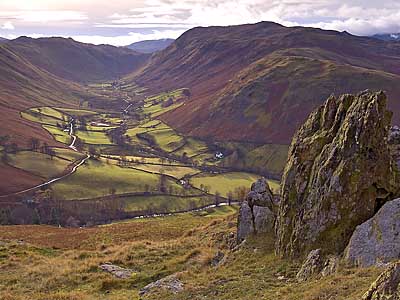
(192, 148)
(162, 204)
(97, 179)
(58, 134)
(68, 154)
(93, 137)
(167, 139)
(77, 112)
(173, 171)
(227, 182)
(39, 164)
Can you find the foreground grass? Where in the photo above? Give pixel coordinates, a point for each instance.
(42, 262)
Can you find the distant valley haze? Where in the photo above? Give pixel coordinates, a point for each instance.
(123, 22)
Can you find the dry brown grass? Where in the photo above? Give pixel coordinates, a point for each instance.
(52, 265)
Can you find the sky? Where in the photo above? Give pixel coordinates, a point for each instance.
(122, 22)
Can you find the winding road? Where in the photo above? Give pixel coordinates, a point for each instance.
(73, 170)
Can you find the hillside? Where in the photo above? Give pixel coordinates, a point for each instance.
(65, 263)
(76, 61)
(258, 82)
(150, 46)
(387, 37)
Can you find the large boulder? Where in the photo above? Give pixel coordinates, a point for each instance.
(386, 287)
(256, 212)
(339, 172)
(377, 240)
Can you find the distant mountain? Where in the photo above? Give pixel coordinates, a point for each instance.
(259, 82)
(76, 61)
(151, 46)
(388, 36)
(3, 39)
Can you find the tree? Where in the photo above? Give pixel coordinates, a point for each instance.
(162, 184)
(34, 143)
(217, 198)
(186, 93)
(230, 197)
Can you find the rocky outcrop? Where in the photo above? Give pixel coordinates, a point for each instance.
(170, 283)
(377, 240)
(386, 287)
(332, 181)
(256, 212)
(117, 271)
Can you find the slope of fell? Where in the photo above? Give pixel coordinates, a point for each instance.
(260, 81)
(76, 61)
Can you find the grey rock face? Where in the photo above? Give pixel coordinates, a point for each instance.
(245, 221)
(311, 266)
(117, 271)
(386, 287)
(171, 283)
(255, 214)
(339, 169)
(378, 239)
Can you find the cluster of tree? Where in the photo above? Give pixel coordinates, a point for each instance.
(118, 136)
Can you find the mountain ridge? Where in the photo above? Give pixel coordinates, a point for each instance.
(150, 46)
(208, 59)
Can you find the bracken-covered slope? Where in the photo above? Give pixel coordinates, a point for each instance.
(23, 85)
(76, 61)
(259, 82)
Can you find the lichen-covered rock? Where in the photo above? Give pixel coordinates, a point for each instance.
(117, 271)
(311, 266)
(378, 239)
(256, 212)
(253, 220)
(170, 283)
(245, 225)
(386, 287)
(339, 170)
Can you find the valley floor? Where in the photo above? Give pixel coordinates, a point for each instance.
(51, 263)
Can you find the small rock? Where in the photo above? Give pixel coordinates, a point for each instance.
(330, 266)
(386, 287)
(117, 271)
(217, 259)
(171, 283)
(312, 266)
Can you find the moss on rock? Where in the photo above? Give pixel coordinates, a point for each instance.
(339, 163)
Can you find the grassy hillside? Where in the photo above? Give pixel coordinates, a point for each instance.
(60, 263)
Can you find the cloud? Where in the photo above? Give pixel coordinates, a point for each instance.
(124, 40)
(7, 26)
(120, 20)
(44, 16)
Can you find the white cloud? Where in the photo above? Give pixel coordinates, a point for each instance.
(43, 16)
(124, 40)
(7, 26)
